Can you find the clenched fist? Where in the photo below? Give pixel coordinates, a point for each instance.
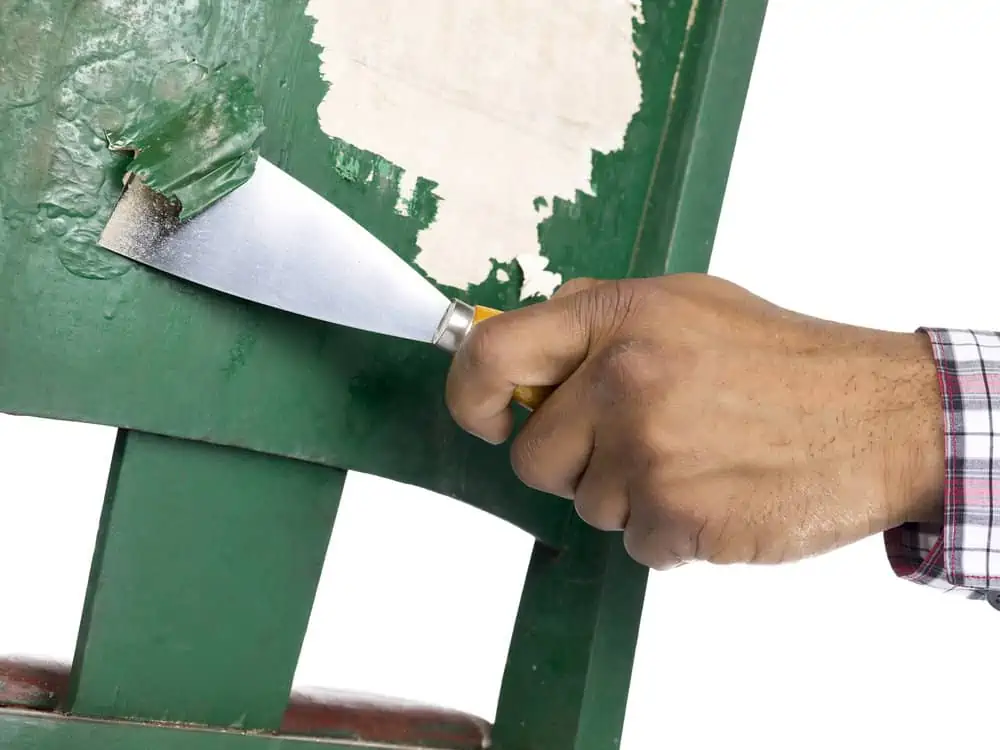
(708, 423)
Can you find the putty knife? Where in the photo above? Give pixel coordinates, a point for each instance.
(275, 242)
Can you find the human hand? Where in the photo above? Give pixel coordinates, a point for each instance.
(708, 423)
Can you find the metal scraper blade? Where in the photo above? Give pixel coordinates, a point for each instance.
(275, 242)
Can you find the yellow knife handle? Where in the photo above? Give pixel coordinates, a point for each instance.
(528, 396)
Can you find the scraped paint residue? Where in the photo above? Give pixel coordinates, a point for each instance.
(195, 138)
(497, 101)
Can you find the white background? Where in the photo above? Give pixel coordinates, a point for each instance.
(864, 189)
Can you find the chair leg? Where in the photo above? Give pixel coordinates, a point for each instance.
(202, 583)
(570, 661)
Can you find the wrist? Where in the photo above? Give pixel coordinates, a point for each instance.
(915, 438)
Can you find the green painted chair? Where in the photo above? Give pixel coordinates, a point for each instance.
(237, 424)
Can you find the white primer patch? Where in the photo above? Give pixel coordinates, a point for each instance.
(407, 186)
(497, 101)
(537, 280)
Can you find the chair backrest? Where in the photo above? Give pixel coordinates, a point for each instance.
(238, 423)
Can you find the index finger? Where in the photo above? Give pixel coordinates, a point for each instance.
(538, 345)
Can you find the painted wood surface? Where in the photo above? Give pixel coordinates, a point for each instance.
(217, 369)
(89, 336)
(204, 574)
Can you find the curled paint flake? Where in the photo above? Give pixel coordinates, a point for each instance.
(195, 139)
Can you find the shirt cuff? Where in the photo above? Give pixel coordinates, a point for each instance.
(962, 553)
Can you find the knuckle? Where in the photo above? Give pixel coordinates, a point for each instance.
(719, 544)
(524, 454)
(461, 409)
(621, 369)
(574, 285)
(454, 383)
(709, 545)
(632, 539)
(663, 561)
(596, 517)
(651, 535)
(656, 449)
(601, 307)
(608, 304)
(639, 546)
(654, 444)
(458, 407)
(483, 348)
(603, 513)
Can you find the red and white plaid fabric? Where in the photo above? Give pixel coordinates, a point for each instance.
(961, 554)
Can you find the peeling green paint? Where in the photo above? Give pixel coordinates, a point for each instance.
(195, 138)
(89, 336)
(620, 183)
(619, 179)
(76, 315)
(72, 72)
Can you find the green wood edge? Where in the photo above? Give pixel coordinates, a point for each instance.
(204, 574)
(568, 671)
(689, 183)
(569, 667)
(36, 730)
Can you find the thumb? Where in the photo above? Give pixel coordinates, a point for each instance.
(538, 345)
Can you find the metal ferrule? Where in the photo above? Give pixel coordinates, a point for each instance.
(454, 326)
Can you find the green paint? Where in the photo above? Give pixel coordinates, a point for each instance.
(338, 397)
(685, 197)
(72, 72)
(570, 662)
(90, 336)
(204, 574)
(195, 138)
(620, 180)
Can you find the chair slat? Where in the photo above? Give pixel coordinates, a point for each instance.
(204, 575)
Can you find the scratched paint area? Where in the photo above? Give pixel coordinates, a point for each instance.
(194, 139)
(211, 368)
(69, 73)
(498, 101)
(72, 72)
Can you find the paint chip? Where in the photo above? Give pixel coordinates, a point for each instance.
(407, 187)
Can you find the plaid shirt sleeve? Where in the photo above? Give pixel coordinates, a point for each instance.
(962, 553)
